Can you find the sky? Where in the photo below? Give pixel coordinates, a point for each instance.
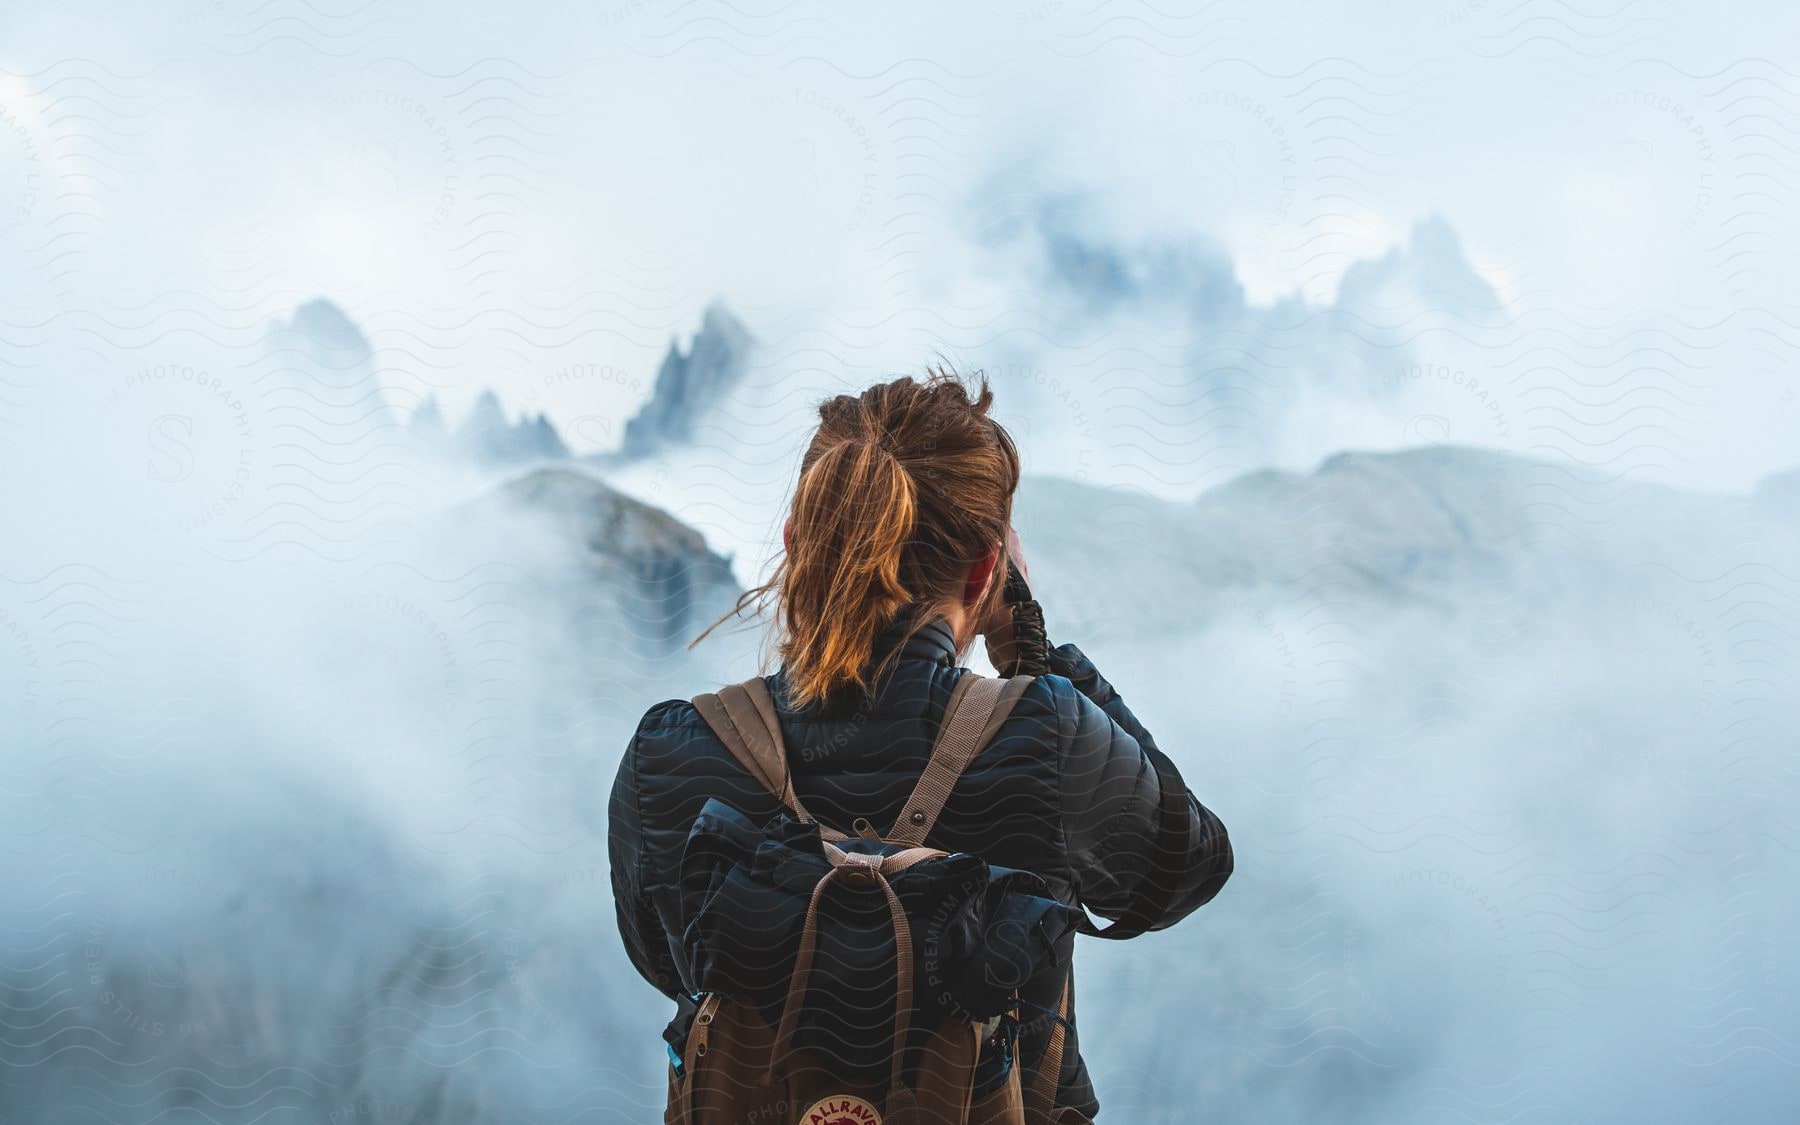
(542, 201)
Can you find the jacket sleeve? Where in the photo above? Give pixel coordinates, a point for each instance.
(1110, 798)
(645, 942)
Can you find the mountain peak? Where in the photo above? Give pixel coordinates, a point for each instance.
(428, 419)
(486, 435)
(327, 335)
(1431, 267)
(689, 385)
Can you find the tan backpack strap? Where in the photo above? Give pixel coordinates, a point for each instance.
(743, 716)
(853, 866)
(978, 705)
(1040, 1100)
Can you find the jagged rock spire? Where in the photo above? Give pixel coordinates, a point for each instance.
(688, 385)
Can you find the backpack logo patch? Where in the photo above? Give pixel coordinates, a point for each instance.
(840, 1109)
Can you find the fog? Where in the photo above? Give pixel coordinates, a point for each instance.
(1407, 409)
(305, 804)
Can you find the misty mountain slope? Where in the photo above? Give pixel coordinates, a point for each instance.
(1460, 836)
(1453, 851)
(617, 533)
(630, 565)
(294, 955)
(331, 841)
(1461, 529)
(1495, 737)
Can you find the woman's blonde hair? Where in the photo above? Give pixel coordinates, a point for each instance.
(902, 489)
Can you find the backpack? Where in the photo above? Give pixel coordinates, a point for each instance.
(768, 907)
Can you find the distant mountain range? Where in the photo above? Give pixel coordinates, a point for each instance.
(688, 385)
(1438, 527)
(324, 356)
(485, 436)
(1442, 526)
(1443, 529)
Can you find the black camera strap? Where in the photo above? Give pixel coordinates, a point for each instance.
(1030, 646)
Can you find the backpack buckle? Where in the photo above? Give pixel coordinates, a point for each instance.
(860, 867)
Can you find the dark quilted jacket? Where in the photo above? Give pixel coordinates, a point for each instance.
(1062, 790)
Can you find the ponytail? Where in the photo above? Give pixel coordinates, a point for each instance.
(853, 514)
(901, 490)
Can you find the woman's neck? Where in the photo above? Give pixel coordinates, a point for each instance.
(957, 617)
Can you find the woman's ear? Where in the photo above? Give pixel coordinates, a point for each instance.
(980, 575)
